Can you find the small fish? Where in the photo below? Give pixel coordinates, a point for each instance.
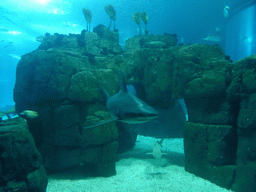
(29, 114)
(8, 113)
(157, 154)
(40, 38)
(4, 30)
(226, 11)
(156, 44)
(15, 56)
(156, 149)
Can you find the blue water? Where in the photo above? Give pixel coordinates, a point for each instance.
(241, 34)
(22, 21)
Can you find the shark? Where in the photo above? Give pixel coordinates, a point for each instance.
(127, 107)
(214, 38)
(226, 11)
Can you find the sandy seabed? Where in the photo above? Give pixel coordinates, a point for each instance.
(138, 171)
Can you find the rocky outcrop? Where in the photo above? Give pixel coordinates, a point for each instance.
(102, 42)
(63, 85)
(210, 152)
(202, 81)
(241, 96)
(21, 163)
(62, 79)
(232, 142)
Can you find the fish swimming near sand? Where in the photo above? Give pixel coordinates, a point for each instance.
(157, 154)
(156, 150)
(128, 108)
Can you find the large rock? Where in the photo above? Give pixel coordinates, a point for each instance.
(63, 87)
(213, 151)
(202, 81)
(62, 79)
(63, 84)
(242, 98)
(197, 73)
(108, 40)
(210, 152)
(21, 163)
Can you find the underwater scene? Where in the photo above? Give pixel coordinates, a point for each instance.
(138, 96)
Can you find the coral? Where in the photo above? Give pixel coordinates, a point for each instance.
(144, 18)
(137, 19)
(109, 9)
(88, 16)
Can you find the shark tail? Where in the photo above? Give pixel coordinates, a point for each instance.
(160, 142)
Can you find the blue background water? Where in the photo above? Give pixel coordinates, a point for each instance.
(241, 33)
(22, 21)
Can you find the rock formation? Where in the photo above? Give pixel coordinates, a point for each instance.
(222, 149)
(61, 80)
(21, 163)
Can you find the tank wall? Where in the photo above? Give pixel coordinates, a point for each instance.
(241, 34)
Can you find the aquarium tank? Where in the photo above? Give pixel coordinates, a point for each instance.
(118, 95)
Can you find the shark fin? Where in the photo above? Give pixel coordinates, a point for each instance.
(122, 83)
(103, 123)
(104, 93)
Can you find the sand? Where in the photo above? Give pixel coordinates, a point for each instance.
(138, 171)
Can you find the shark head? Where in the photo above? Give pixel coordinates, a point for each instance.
(128, 108)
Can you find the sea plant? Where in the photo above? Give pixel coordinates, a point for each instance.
(88, 16)
(144, 18)
(109, 9)
(137, 19)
